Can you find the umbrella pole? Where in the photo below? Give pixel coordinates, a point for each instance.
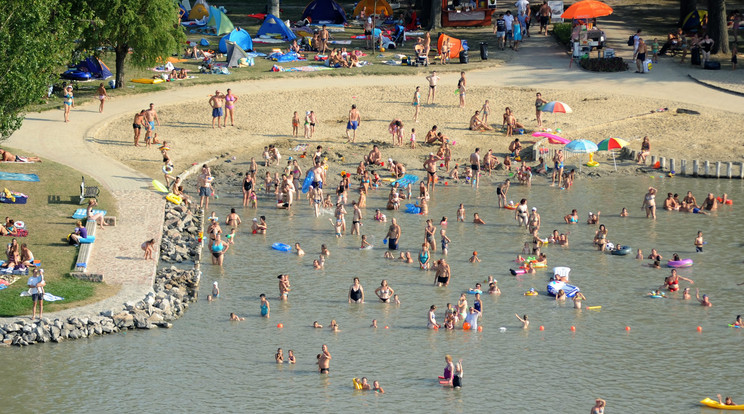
(613, 160)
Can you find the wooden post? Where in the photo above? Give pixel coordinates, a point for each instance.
(707, 168)
(672, 166)
(662, 162)
(741, 170)
(695, 168)
(683, 167)
(718, 169)
(653, 160)
(632, 155)
(729, 169)
(534, 153)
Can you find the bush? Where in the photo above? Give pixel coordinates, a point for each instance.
(562, 32)
(615, 64)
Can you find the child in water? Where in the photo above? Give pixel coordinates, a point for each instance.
(445, 241)
(279, 356)
(365, 243)
(474, 258)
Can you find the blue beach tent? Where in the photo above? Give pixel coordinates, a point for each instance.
(240, 37)
(324, 11)
(95, 67)
(274, 25)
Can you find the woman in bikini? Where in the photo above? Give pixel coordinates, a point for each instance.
(649, 203)
(230, 101)
(384, 292)
(416, 103)
(600, 237)
(671, 282)
(102, 96)
(69, 102)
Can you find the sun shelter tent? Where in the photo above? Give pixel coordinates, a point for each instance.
(324, 11)
(694, 21)
(239, 36)
(455, 45)
(234, 54)
(186, 4)
(380, 7)
(98, 69)
(219, 22)
(273, 25)
(199, 11)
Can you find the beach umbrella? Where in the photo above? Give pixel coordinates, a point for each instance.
(556, 107)
(552, 138)
(587, 9)
(581, 146)
(611, 144)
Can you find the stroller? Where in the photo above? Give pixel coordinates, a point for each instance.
(399, 36)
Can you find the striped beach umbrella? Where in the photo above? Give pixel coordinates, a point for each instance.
(556, 107)
(611, 144)
(581, 146)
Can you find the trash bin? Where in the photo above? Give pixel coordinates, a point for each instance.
(464, 56)
(484, 50)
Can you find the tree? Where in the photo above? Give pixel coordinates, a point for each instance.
(686, 7)
(273, 7)
(149, 28)
(36, 37)
(717, 29)
(435, 14)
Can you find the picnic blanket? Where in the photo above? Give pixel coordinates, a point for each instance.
(48, 297)
(277, 68)
(16, 271)
(7, 280)
(82, 213)
(340, 42)
(267, 40)
(286, 57)
(19, 233)
(8, 176)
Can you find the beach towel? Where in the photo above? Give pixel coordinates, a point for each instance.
(19, 233)
(17, 271)
(340, 42)
(48, 297)
(267, 40)
(82, 213)
(277, 68)
(7, 176)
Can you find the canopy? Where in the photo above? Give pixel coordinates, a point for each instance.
(455, 45)
(96, 67)
(587, 9)
(610, 144)
(239, 36)
(324, 11)
(556, 107)
(581, 146)
(383, 7)
(219, 21)
(273, 25)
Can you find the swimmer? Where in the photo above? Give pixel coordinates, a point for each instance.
(234, 317)
(396, 300)
(474, 258)
(265, 306)
(704, 301)
(593, 218)
(365, 243)
(334, 326)
(317, 325)
(577, 299)
(657, 292)
(317, 265)
(388, 255)
(727, 401)
(624, 212)
(376, 387)
(384, 291)
(524, 320)
(300, 252)
(379, 216)
(215, 290)
(233, 219)
(571, 218)
(654, 255)
(374, 323)
(461, 213)
(284, 287)
(686, 294)
(356, 292)
(738, 322)
(599, 406)
(279, 356)
(409, 259)
(445, 242)
(432, 318)
(699, 242)
(477, 219)
(291, 357)
(324, 250)
(639, 255)
(493, 289)
(671, 282)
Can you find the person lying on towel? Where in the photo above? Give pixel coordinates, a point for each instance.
(8, 157)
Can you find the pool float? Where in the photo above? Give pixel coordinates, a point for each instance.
(519, 271)
(474, 291)
(442, 381)
(281, 247)
(531, 292)
(621, 251)
(356, 383)
(539, 265)
(87, 240)
(167, 169)
(77, 75)
(147, 81)
(308, 181)
(554, 286)
(735, 326)
(510, 206)
(592, 164)
(413, 209)
(657, 296)
(680, 263)
(728, 202)
(175, 199)
(159, 186)
(715, 404)
(388, 180)
(405, 180)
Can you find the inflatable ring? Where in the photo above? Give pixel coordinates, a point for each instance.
(679, 263)
(592, 164)
(175, 199)
(281, 247)
(356, 384)
(168, 169)
(474, 291)
(20, 224)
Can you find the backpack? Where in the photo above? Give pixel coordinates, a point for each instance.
(631, 40)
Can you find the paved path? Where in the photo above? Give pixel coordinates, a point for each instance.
(540, 63)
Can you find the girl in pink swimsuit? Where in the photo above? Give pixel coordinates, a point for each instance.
(230, 101)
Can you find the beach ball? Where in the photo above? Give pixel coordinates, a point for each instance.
(382, 49)
(559, 130)
(466, 326)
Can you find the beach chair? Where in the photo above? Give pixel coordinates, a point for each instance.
(87, 192)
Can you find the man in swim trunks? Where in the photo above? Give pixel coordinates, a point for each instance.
(217, 101)
(475, 164)
(6, 156)
(432, 79)
(545, 14)
(324, 360)
(393, 235)
(318, 176)
(354, 119)
(205, 186)
(150, 118)
(710, 203)
(374, 156)
(323, 38)
(431, 136)
(139, 121)
(514, 147)
(557, 167)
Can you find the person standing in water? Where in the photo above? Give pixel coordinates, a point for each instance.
(324, 360)
(265, 306)
(649, 203)
(699, 242)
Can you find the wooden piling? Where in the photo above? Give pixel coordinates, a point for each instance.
(706, 167)
(718, 169)
(695, 168)
(672, 165)
(729, 169)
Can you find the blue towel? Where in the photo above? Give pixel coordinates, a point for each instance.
(82, 213)
(7, 176)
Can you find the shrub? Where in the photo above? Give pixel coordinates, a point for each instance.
(562, 32)
(615, 64)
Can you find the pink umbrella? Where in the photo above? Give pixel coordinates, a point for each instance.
(552, 138)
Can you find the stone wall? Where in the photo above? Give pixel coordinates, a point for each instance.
(180, 234)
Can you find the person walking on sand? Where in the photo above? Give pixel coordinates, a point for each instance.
(216, 101)
(545, 14)
(230, 101)
(416, 103)
(433, 79)
(139, 121)
(461, 86)
(102, 96)
(354, 119)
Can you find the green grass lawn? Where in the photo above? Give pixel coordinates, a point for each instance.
(292, 10)
(47, 214)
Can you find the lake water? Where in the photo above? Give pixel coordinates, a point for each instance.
(205, 363)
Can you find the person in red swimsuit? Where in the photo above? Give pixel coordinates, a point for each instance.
(671, 282)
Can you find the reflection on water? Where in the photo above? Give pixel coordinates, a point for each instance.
(205, 362)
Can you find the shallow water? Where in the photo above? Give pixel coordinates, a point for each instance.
(207, 363)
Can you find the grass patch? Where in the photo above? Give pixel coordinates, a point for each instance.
(47, 214)
(292, 10)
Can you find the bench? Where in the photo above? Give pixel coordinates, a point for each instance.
(87, 192)
(81, 264)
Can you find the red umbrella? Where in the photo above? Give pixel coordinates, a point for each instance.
(587, 9)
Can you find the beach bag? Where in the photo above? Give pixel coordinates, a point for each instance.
(631, 41)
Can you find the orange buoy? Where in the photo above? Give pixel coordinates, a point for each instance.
(573, 328)
(542, 328)
(387, 327)
(700, 329)
(627, 328)
(280, 325)
(480, 329)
